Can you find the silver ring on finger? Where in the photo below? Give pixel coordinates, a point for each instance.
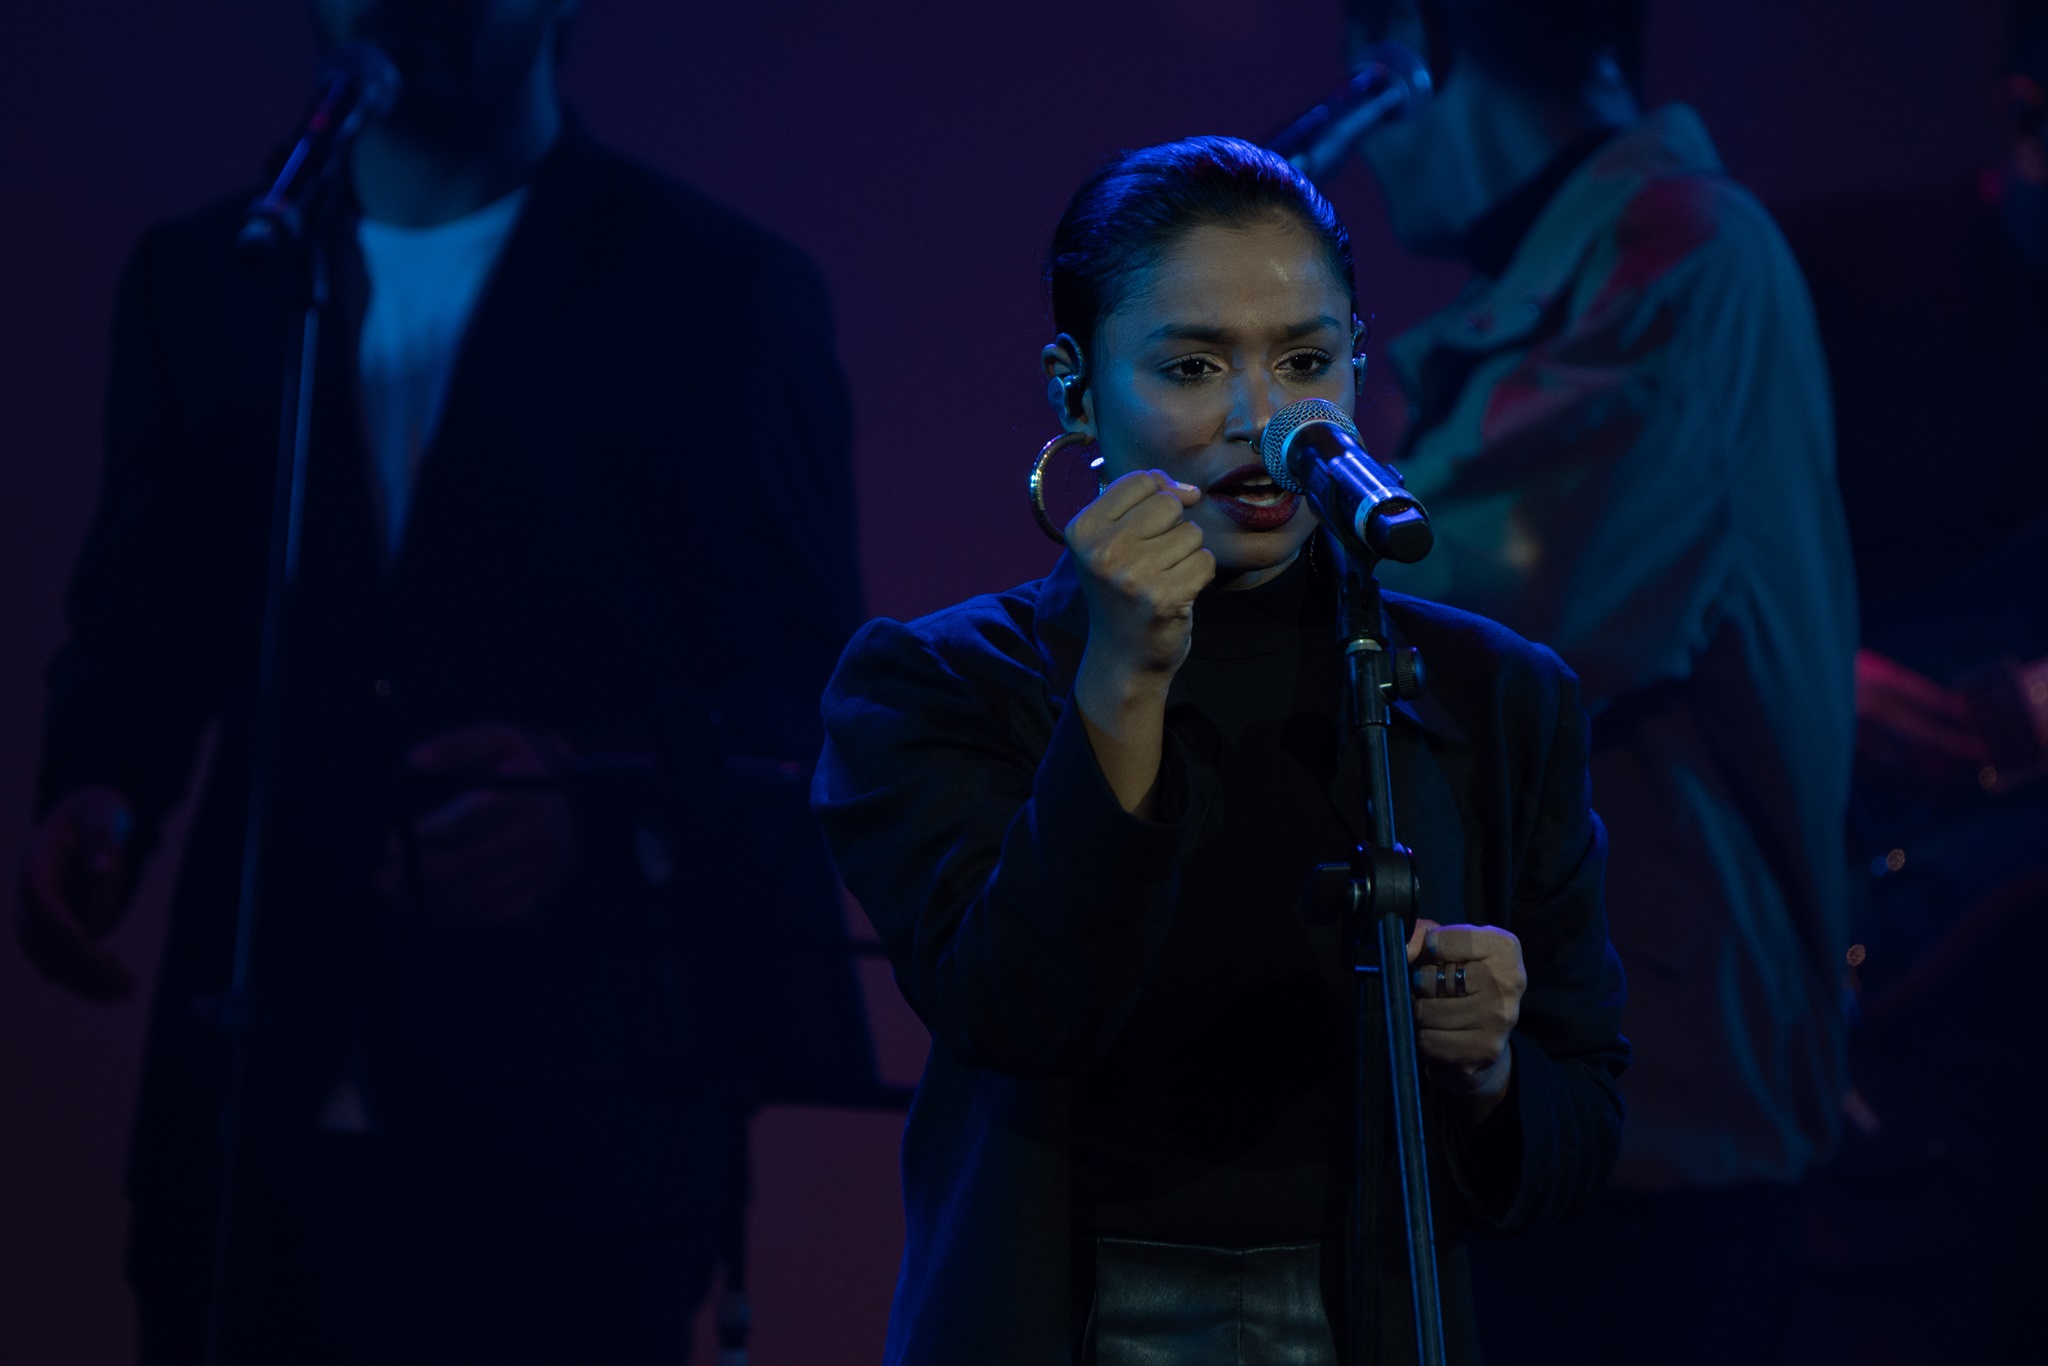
(1458, 980)
(1441, 974)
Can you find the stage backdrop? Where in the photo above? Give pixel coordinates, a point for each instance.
(921, 151)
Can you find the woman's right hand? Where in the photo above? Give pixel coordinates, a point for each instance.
(1141, 564)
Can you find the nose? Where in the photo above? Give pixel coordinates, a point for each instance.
(1253, 401)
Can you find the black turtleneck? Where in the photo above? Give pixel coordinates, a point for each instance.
(1221, 1114)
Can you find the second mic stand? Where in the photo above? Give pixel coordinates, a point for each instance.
(302, 264)
(1375, 898)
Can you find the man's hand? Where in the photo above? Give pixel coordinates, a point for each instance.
(493, 855)
(76, 874)
(1912, 731)
(1468, 985)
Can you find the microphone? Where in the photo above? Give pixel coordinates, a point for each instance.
(1311, 447)
(357, 83)
(1392, 82)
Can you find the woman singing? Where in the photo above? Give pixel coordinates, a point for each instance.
(1081, 815)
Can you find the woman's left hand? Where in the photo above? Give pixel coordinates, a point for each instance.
(1468, 984)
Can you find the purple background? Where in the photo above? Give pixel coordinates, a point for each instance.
(921, 151)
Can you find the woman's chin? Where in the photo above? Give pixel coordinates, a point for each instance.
(1240, 551)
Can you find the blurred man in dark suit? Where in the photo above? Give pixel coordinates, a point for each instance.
(577, 487)
(1621, 432)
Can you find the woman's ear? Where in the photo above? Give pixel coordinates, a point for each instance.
(1066, 386)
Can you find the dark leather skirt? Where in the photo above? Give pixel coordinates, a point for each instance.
(1177, 1304)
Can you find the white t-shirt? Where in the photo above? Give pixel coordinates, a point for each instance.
(424, 284)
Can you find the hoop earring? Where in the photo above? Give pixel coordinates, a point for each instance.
(1045, 455)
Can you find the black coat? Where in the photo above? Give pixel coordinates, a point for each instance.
(623, 533)
(1022, 908)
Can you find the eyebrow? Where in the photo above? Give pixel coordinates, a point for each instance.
(1191, 332)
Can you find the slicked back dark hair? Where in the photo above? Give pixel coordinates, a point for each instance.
(1131, 212)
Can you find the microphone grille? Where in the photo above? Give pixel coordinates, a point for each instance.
(1282, 426)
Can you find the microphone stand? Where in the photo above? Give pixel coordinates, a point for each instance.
(1375, 897)
(301, 260)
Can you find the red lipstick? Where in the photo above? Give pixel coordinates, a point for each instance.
(1249, 497)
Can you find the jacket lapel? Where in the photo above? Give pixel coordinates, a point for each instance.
(1426, 713)
(533, 270)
